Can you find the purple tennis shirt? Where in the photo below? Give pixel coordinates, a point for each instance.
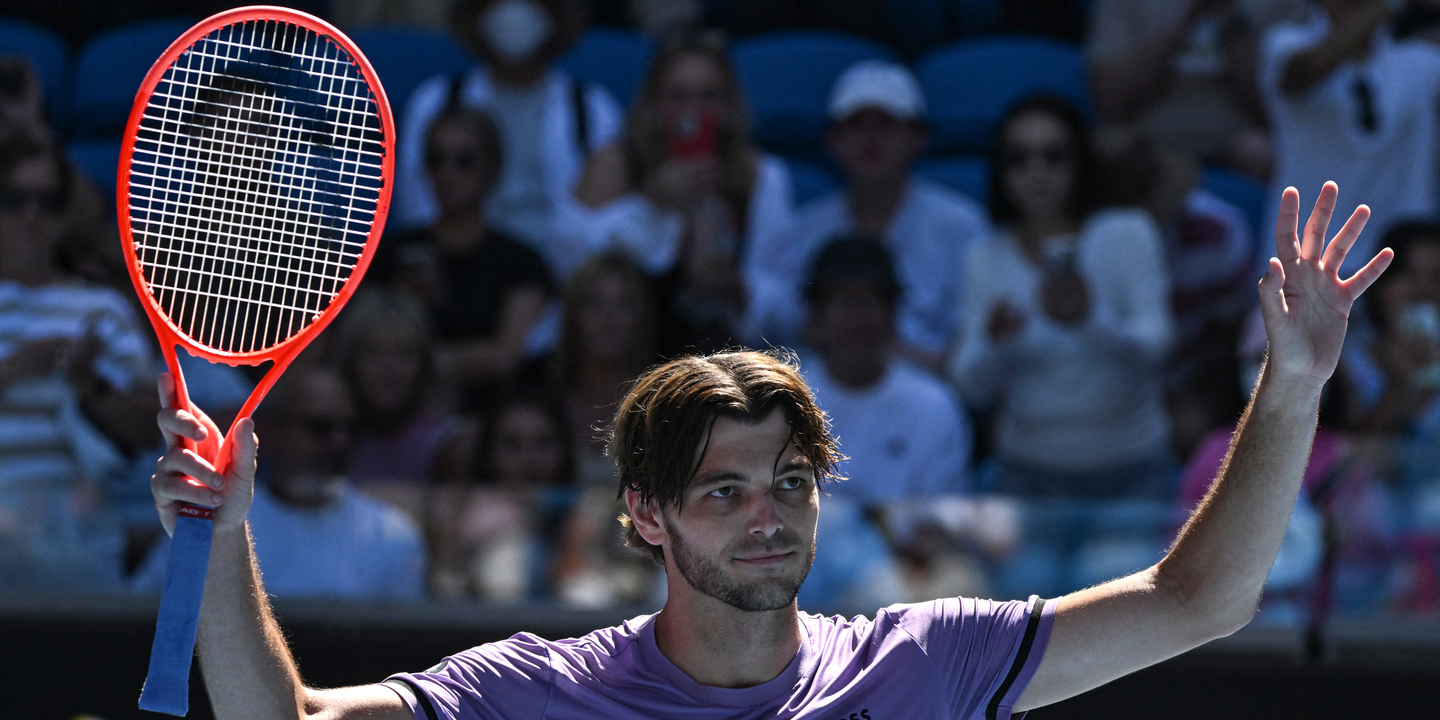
(951, 658)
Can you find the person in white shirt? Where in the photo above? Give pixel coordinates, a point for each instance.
(905, 438)
(686, 193)
(73, 366)
(1066, 327)
(315, 535)
(548, 121)
(877, 133)
(1351, 104)
(901, 429)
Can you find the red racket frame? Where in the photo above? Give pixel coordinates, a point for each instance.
(215, 449)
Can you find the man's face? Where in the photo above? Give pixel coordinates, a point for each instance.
(873, 145)
(311, 445)
(746, 533)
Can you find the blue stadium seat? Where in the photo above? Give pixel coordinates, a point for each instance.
(810, 181)
(967, 175)
(109, 70)
(1245, 193)
(404, 57)
(970, 84)
(614, 58)
(48, 55)
(98, 160)
(787, 78)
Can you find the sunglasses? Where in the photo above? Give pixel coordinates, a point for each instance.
(16, 201)
(460, 160)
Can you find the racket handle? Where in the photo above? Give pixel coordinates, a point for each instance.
(167, 685)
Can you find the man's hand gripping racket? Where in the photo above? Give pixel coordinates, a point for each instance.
(253, 186)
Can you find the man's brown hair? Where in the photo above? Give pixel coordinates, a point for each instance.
(671, 409)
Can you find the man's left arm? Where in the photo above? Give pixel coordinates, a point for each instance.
(1209, 584)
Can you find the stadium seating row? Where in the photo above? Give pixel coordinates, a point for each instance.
(786, 76)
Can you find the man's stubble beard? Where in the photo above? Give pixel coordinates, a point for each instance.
(709, 578)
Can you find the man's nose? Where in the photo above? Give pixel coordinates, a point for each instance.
(764, 519)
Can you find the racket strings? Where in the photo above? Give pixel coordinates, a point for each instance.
(254, 182)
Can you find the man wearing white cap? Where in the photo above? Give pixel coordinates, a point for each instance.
(877, 133)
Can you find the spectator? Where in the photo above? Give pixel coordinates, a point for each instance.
(314, 535)
(1066, 326)
(1210, 251)
(548, 122)
(901, 428)
(73, 390)
(877, 133)
(905, 437)
(405, 435)
(484, 292)
(1396, 373)
(1353, 105)
(1184, 71)
(608, 337)
(686, 193)
(494, 529)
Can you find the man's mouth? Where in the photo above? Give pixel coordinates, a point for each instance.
(767, 558)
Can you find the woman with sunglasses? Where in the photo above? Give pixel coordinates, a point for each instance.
(484, 291)
(1066, 324)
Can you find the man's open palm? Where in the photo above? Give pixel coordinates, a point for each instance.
(1305, 304)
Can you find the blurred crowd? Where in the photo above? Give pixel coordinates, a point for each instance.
(1033, 387)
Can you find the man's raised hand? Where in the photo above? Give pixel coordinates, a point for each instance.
(230, 495)
(1305, 304)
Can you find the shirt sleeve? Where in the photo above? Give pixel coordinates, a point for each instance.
(987, 651)
(507, 680)
(1131, 297)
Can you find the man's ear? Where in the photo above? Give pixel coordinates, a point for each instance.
(645, 518)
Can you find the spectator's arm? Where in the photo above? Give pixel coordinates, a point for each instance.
(1123, 84)
(1208, 585)
(1143, 328)
(476, 362)
(1349, 37)
(605, 178)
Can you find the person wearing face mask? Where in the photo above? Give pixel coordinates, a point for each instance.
(315, 534)
(687, 194)
(548, 121)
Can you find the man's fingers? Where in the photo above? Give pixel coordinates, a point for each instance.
(1340, 246)
(243, 447)
(1362, 279)
(1272, 295)
(170, 488)
(1287, 246)
(1314, 240)
(185, 462)
(178, 424)
(166, 385)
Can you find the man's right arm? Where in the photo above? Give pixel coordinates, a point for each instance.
(249, 670)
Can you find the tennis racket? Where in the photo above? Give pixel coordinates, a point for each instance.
(253, 186)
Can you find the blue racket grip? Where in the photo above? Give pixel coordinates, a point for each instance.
(167, 686)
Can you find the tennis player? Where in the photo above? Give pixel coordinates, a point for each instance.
(721, 461)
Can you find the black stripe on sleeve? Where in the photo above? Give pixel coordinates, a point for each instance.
(992, 711)
(410, 689)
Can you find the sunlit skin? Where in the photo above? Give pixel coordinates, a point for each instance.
(748, 522)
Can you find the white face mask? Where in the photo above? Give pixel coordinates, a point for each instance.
(514, 29)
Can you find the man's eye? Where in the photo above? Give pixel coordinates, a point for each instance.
(721, 492)
(792, 483)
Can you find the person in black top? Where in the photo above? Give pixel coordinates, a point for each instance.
(484, 291)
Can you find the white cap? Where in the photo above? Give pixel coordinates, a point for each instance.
(877, 84)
